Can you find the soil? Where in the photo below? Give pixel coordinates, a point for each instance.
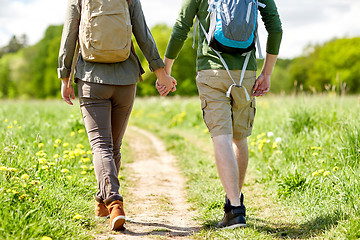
(155, 197)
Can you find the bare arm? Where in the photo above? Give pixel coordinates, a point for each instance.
(262, 84)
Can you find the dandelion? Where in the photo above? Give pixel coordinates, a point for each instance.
(6, 120)
(84, 167)
(84, 179)
(85, 160)
(89, 152)
(81, 131)
(83, 172)
(40, 145)
(56, 156)
(57, 141)
(2, 168)
(91, 167)
(65, 170)
(79, 146)
(10, 127)
(19, 127)
(335, 169)
(15, 122)
(205, 131)
(327, 173)
(56, 146)
(22, 196)
(42, 161)
(321, 171)
(41, 153)
(44, 167)
(270, 134)
(315, 154)
(51, 164)
(72, 134)
(77, 217)
(25, 176)
(315, 148)
(275, 144)
(46, 238)
(66, 156)
(260, 135)
(316, 173)
(34, 182)
(12, 169)
(66, 145)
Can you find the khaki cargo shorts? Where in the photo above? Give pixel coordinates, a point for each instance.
(223, 115)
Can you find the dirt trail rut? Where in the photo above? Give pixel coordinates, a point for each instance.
(155, 203)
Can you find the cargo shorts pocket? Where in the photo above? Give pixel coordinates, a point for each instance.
(206, 117)
(252, 112)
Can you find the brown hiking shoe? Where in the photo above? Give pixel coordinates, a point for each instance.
(117, 215)
(101, 210)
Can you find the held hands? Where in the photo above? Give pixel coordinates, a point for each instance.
(162, 87)
(67, 92)
(164, 83)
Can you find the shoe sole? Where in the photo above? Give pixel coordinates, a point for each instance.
(118, 223)
(233, 226)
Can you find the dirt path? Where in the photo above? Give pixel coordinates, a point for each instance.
(155, 203)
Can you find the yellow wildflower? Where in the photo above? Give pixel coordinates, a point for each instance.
(56, 156)
(15, 122)
(85, 160)
(88, 152)
(79, 146)
(314, 174)
(44, 167)
(77, 216)
(326, 173)
(321, 171)
(40, 145)
(66, 144)
(83, 172)
(2, 168)
(56, 146)
(84, 167)
(65, 170)
(42, 161)
(22, 196)
(275, 144)
(25, 176)
(19, 127)
(12, 169)
(316, 148)
(46, 238)
(72, 134)
(335, 169)
(6, 120)
(10, 127)
(34, 182)
(81, 131)
(69, 177)
(57, 141)
(315, 154)
(51, 164)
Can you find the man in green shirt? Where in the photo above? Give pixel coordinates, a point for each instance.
(229, 119)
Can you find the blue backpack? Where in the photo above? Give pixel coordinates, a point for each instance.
(233, 25)
(233, 29)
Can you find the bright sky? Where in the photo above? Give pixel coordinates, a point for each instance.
(304, 22)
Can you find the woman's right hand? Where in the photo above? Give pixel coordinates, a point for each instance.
(67, 90)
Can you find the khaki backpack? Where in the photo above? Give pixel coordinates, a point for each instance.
(105, 31)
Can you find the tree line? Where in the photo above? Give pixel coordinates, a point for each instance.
(30, 71)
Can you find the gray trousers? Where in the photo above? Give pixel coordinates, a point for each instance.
(106, 110)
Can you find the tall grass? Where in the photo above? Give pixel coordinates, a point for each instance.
(304, 151)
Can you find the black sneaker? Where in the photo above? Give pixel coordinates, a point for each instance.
(234, 216)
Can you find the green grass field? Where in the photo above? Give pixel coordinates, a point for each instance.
(303, 170)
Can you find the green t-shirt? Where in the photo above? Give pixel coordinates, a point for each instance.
(206, 58)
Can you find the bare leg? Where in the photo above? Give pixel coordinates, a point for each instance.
(227, 166)
(242, 156)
